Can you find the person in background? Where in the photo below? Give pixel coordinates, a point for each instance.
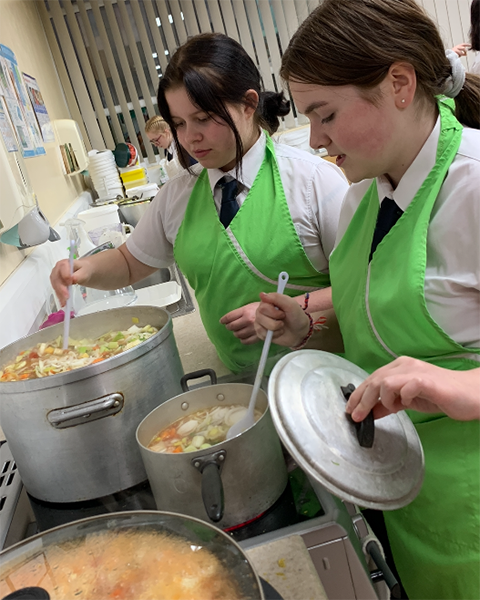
(250, 209)
(461, 49)
(160, 135)
(376, 83)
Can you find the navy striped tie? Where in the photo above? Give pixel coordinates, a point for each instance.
(229, 207)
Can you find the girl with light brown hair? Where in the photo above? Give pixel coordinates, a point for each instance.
(402, 118)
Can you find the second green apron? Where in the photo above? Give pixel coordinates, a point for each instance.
(383, 314)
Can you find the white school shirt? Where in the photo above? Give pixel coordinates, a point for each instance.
(452, 277)
(475, 64)
(314, 189)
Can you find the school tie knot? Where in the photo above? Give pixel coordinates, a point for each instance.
(229, 206)
(388, 215)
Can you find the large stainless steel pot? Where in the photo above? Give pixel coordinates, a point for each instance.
(120, 573)
(231, 483)
(72, 435)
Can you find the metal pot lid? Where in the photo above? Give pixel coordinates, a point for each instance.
(308, 411)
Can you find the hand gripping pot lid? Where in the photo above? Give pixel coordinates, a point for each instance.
(308, 410)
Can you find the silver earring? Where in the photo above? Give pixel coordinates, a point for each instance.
(403, 100)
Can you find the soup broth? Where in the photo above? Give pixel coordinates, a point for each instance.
(200, 430)
(143, 565)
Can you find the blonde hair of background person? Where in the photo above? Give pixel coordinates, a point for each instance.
(461, 49)
(371, 75)
(159, 133)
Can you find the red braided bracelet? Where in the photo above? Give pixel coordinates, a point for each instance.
(307, 337)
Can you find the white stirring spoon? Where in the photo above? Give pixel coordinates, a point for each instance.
(68, 305)
(248, 420)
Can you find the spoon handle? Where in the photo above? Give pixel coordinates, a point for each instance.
(68, 305)
(282, 282)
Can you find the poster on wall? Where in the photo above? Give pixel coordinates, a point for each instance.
(19, 106)
(3, 80)
(6, 128)
(39, 107)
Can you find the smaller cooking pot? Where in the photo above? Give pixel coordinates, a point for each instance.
(232, 482)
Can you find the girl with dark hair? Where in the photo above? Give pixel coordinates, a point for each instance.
(402, 118)
(250, 209)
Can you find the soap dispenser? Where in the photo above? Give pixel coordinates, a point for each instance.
(77, 233)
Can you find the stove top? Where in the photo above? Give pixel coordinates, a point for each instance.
(330, 532)
(297, 504)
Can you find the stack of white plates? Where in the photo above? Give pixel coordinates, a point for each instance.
(104, 174)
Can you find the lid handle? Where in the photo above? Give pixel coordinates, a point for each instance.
(28, 593)
(366, 428)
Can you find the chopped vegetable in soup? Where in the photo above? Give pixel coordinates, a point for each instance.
(49, 359)
(199, 430)
(129, 565)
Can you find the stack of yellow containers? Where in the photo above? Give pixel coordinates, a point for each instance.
(133, 176)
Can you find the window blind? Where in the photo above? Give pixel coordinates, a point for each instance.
(113, 53)
(110, 54)
(453, 19)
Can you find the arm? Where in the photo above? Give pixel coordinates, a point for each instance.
(410, 383)
(106, 270)
(241, 321)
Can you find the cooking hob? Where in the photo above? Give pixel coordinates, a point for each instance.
(332, 531)
(297, 504)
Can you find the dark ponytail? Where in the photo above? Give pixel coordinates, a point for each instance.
(475, 25)
(467, 103)
(271, 106)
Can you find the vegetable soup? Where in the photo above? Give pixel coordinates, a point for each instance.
(200, 430)
(50, 359)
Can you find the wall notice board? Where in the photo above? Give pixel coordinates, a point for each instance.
(19, 107)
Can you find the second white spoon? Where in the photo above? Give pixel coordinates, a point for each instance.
(248, 420)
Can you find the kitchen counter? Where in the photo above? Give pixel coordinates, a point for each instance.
(286, 565)
(196, 350)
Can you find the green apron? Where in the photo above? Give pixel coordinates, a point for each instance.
(228, 268)
(383, 314)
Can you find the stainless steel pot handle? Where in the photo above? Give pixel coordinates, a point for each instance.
(196, 375)
(210, 466)
(86, 412)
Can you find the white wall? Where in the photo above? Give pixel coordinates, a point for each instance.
(22, 31)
